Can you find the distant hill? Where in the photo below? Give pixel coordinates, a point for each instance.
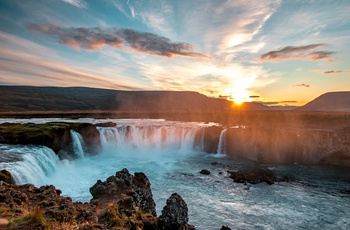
(333, 101)
(30, 98)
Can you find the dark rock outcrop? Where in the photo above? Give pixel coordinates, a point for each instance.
(123, 201)
(253, 176)
(6, 176)
(136, 186)
(205, 172)
(211, 139)
(225, 228)
(175, 214)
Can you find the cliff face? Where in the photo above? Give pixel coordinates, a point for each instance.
(278, 145)
(53, 135)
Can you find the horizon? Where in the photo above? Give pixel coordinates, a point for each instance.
(276, 52)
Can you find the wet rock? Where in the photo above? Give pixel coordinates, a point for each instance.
(211, 139)
(137, 186)
(106, 124)
(205, 172)
(123, 201)
(253, 176)
(175, 214)
(225, 228)
(6, 176)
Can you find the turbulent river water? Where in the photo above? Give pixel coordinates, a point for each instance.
(169, 154)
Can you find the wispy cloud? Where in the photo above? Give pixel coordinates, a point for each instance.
(329, 71)
(94, 38)
(78, 3)
(156, 15)
(298, 52)
(278, 103)
(209, 77)
(336, 71)
(25, 62)
(302, 85)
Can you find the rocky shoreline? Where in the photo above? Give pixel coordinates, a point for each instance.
(123, 201)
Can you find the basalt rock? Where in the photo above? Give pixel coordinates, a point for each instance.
(205, 172)
(253, 176)
(137, 186)
(175, 214)
(6, 176)
(123, 201)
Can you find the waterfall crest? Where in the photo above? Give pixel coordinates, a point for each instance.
(29, 164)
(222, 142)
(78, 144)
(150, 137)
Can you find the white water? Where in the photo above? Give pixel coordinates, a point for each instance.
(222, 142)
(78, 144)
(28, 164)
(171, 158)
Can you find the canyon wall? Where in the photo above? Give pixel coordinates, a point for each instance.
(279, 145)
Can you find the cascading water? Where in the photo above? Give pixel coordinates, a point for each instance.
(78, 144)
(154, 138)
(222, 142)
(28, 164)
(170, 154)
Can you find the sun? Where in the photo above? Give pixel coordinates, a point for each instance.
(238, 96)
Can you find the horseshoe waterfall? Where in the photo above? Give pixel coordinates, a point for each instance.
(172, 154)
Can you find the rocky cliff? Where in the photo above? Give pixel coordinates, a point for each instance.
(278, 145)
(123, 201)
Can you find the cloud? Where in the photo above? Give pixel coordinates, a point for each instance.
(297, 52)
(95, 38)
(253, 96)
(78, 3)
(329, 71)
(26, 63)
(302, 85)
(335, 71)
(268, 103)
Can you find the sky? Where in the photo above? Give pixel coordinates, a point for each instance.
(278, 52)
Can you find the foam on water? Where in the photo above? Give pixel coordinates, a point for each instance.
(169, 155)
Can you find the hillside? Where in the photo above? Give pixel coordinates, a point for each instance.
(30, 98)
(332, 101)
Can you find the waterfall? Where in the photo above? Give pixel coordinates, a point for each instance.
(78, 144)
(149, 137)
(28, 164)
(222, 142)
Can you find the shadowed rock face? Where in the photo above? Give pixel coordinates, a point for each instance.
(278, 145)
(174, 214)
(136, 186)
(6, 176)
(254, 176)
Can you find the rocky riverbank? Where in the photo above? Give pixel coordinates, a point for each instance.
(123, 201)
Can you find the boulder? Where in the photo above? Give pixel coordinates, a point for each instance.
(6, 176)
(137, 186)
(253, 176)
(205, 172)
(175, 214)
(225, 228)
